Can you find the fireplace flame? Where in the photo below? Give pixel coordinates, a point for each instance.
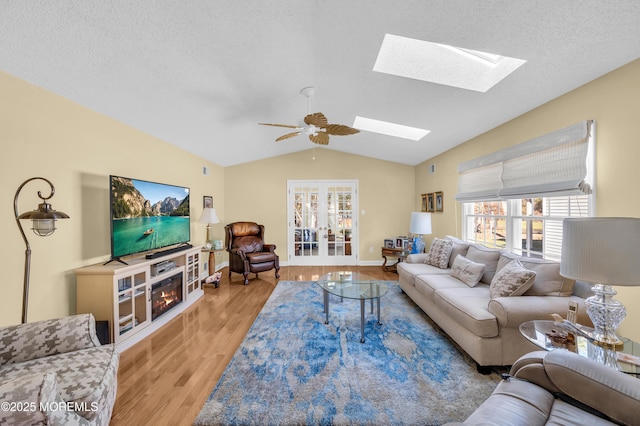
(168, 298)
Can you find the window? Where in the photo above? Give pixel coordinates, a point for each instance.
(517, 198)
(530, 227)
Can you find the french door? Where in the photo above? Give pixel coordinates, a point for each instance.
(322, 218)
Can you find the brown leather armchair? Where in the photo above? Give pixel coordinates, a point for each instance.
(247, 251)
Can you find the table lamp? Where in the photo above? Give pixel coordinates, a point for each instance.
(420, 225)
(209, 216)
(602, 251)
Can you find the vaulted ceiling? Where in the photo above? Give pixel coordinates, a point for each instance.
(201, 74)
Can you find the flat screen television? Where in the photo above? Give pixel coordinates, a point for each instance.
(147, 216)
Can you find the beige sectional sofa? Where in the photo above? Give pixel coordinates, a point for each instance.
(484, 318)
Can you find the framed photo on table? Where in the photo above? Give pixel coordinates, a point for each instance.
(439, 201)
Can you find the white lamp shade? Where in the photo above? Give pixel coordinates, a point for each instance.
(601, 250)
(209, 216)
(420, 223)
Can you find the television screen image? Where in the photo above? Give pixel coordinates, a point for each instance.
(147, 216)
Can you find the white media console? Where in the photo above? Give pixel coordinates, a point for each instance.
(138, 298)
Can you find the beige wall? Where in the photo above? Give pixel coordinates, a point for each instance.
(257, 191)
(43, 134)
(614, 102)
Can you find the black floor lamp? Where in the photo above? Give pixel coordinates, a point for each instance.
(44, 218)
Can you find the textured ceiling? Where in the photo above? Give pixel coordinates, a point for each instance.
(201, 74)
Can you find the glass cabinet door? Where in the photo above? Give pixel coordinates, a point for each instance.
(132, 303)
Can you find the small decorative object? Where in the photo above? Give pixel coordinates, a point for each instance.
(603, 251)
(421, 225)
(214, 279)
(217, 244)
(439, 201)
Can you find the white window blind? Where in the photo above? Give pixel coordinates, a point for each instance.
(551, 165)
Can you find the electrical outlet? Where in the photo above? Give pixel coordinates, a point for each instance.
(370, 249)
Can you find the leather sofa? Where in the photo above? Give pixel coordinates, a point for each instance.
(560, 388)
(484, 326)
(56, 372)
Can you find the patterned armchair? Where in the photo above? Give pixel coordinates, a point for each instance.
(247, 251)
(56, 372)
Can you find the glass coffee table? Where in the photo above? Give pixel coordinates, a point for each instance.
(353, 285)
(549, 336)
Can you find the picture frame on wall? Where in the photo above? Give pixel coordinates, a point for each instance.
(430, 203)
(424, 202)
(207, 201)
(439, 201)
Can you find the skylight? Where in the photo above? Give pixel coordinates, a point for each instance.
(443, 64)
(391, 129)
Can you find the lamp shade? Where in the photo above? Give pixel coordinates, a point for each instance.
(601, 250)
(420, 223)
(209, 215)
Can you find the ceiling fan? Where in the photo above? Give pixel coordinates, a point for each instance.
(317, 127)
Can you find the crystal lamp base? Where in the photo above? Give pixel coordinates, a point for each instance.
(605, 313)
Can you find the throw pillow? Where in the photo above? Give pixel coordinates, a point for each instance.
(488, 257)
(459, 247)
(512, 280)
(439, 253)
(548, 280)
(467, 271)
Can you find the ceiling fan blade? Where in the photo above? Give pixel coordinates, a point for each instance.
(321, 138)
(317, 119)
(289, 126)
(287, 136)
(341, 130)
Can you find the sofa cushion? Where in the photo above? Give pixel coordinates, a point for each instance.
(459, 247)
(487, 256)
(467, 271)
(429, 284)
(468, 307)
(408, 271)
(548, 281)
(439, 253)
(511, 280)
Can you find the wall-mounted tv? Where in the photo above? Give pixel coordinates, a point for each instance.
(147, 216)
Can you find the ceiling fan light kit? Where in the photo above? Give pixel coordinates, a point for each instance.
(317, 126)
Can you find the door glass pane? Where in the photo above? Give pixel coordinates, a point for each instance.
(305, 205)
(339, 214)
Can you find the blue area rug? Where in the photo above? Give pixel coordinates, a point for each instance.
(292, 369)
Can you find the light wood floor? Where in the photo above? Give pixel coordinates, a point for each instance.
(166, 378)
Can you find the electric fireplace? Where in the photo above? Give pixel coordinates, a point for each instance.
(165, 295)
